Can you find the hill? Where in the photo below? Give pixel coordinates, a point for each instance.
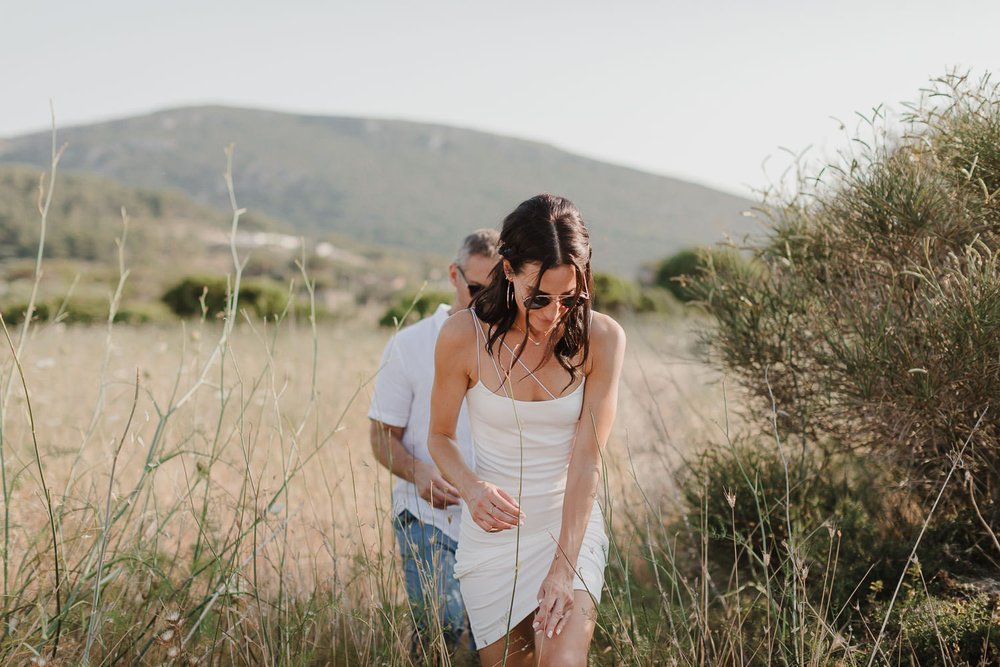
(85, 218)
(405, 184)
(171, 236)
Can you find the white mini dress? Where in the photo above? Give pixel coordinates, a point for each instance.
(524, 448)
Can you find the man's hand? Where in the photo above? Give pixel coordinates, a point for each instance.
(432, 487)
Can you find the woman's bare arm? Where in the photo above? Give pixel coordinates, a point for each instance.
(491, 507)
(600, 404)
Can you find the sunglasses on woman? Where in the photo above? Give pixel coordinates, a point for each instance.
(474, 288)
(539, 301)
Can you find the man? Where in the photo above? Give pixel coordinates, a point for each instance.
(425, 506)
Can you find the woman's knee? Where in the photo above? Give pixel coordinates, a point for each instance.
(567, 655)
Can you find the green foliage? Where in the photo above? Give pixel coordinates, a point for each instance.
(195, 294)
(871, 314)
(412, 307)
(658, 300)
(678, 272)
(671, 272)
(14, 313)
(140, 313)
(794, 508)
(933, 630)
(84, 311)
(85, 219)
(168, 236)
(613, 294)
(616, 295)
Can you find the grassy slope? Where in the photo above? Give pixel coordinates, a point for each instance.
(406, 184)
(85, 217)
(169, 236)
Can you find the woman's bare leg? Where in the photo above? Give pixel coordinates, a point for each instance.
(527, 648)
(569, 647)
(520, 648)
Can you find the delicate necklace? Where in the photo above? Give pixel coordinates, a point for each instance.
(536, 342)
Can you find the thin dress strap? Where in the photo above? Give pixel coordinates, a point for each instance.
(481, 334)
(540, 384)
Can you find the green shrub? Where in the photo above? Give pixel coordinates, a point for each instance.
(412, 307)
(671, 272)
(616, 295)
(85, 311)
(263, 297)
(142, 313)
(932, 630)
(871, 314)
(613, 294)
(14, 313)
(266, 297)
(658, 300)
(750, 495)
(678, 272)
(196, 293)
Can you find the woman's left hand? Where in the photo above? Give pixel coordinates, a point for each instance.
(555, 602)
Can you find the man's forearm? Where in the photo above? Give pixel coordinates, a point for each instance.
(449, 461)
(389, 451)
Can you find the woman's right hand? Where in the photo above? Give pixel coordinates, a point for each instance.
(492, 508)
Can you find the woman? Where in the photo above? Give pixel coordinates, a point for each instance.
(539, 371)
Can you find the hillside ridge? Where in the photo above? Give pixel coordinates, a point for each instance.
(394, 182)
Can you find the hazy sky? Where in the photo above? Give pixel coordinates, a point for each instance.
(700, 91)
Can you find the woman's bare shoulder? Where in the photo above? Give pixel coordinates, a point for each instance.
(459, 330)
(605, 332)
(607, 343)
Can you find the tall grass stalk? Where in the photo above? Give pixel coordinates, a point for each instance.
(95, 615)
(114, 303)
(57, 592)
(44, 202)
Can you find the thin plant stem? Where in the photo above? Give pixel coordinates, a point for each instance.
(115, 303)
(95, 616)
(44, 202)
(45, 488)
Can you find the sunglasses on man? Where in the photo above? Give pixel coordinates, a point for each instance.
(474, 288)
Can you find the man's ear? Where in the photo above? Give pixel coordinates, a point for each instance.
(453, 274)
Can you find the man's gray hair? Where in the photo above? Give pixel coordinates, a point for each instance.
(480, 242)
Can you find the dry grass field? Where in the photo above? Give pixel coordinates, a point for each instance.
(244, 479)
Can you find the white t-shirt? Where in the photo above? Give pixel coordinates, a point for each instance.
(402, 398)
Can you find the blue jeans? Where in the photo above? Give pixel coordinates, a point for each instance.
(429, 567)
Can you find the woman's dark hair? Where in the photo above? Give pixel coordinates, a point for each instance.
(547, 230)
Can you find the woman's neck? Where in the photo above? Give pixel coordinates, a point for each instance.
(535, 335)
